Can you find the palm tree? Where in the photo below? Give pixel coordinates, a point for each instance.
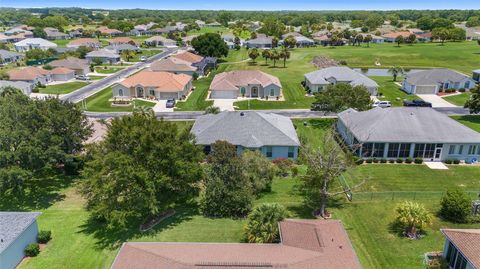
(395, 71)
(266, 55)
(413, 216)
(253, 54)
(143, 111)
(128, 54)
(284, 54)
(262, 225)
(212, 110)
(274, 55)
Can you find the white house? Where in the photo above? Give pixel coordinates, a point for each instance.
(34, 43)
(245, 83)
(104, 55)
(434, 80)
(462, 248)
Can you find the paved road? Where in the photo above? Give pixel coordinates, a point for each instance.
(99, 85)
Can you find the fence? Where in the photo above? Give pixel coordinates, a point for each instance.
(404, 195)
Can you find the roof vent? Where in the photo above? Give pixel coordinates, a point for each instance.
(242, 114)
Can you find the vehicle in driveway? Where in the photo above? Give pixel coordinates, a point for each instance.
(143, 58)
(382, 104)
(417, 103)
(170, 103)
(83, 77)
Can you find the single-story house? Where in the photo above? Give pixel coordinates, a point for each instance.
(375, 39)
(19, 30)
(476, 75)
(273, 135)
(106, 56)
(54, 34)
(200, 23)
(303, 244)
(462, 248)
(261, 42)
(433, 80)
(122, 40)
(105, 31)
(249, 83)
(390, 37)
(302, 41)
(34, 43)
(80, 66)
(25, 87)
(213, 24)
(7, 57)
(203, 64)
(228, 37)
(319, 80)
(158, 85)
(62, 74)
(173, 65)
(119, 48)
(75, 33)
(31, 74)
(17, 231)
(408, 132)
(160, 41)
(86, 42)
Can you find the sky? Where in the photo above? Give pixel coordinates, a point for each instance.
(251, 4)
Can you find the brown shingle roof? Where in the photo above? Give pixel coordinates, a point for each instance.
(84, 42)
(61, 71)
(172, 65)
(467, 241)
(332, 250)
(189, 57)
(161, 81)
(70, 62)
(405, 34)
(27, 73)
(234, 79)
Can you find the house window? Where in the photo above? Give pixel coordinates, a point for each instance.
(461, 262)
(472, 149)
(207, 149)
(429, 151)
(451, 150)
(404, 151)
(291, 152)
(467, 85)
(419, 150)
(268, 152)
(451, 254)
(120, 92)
(152, 92)
(378, 150)
(272, 92)
(460, 150)
(367, 150)
(393, 150)
(242, 90)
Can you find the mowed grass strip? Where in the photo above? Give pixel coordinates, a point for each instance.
(63, 88)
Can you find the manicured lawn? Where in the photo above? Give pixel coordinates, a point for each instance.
(96, 77)
(63, 88)
(204, 30)
(196, 100)
(108, 69)
(62, 42)
(459, 99)
(391, 91)
(99, 102)
(146, 53)
(471, 121)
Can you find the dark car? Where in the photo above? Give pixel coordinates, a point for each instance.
(417, 103)
(170, 103)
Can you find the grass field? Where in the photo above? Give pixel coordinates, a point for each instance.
(99, 102)
(108, 69)
(63, 88)
(61, 42)
(146, 53)
(391, 91)
(459, 99)
(204, 30)
(471, 121)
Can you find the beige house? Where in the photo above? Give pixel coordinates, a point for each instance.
(160, 41)
(155, 85)
(173, 65)
(245, 83)
(31, 74)
(80, 66)
(86, 42)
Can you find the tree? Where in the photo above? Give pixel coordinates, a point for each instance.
(274, 56)
(458, 34)
(473, 21)
(290, 41)
(224, 17)
(456, 206)
(441, 34)
(412, 216)
(253, 54)
(341, 96)
(368, 39)
(396, 71)
(211, 45)
(266, 55)
(262, 223)
(359, 39)
(425, 23)
(36, 54)
(411, 39)
(212, 110)
(227, 191)
(128, 54)
(253, 35)
(259, 170)
(473, 103)
(143, 167)
(399, 40)
(39, 32)
(274, 42)
(82, 51)
(272, 27)
(284, 54)
(374, 20)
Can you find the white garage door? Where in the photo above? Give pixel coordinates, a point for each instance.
(168, 95)
(223, 95)
(425, 90)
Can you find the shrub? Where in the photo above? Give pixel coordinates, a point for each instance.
(44, 236)
(383, 160)
(391, 161)
(259, 170)
(36, 90)
(375, 160)
(439, 263)
(262, 223)
(418, 160)
(195, 75)
(412, 217)
(461, 90)
(359, 161)
(369, 161)
(456, 161)
(284, 166)
(448, 161)
(408, 160)
(32, 250)
(295, 171)
(342, 62)
(455, 206)
(399, 160)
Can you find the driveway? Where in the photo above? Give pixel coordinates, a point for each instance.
(436, 100)
(161, 106)
(224, 104)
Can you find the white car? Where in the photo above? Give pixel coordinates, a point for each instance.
(143, 58)
(382, 104)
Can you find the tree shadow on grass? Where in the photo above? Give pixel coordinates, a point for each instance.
(113, 238)
(40, 194)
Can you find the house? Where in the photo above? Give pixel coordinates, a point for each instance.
(79, 66)
(156, 41)
(54, 34)
(7, 57)
(106, 56)
(11, 38)
(304, 244)
(119, 48)
(462, 248)
(273, 135)
(157, 85)
(375, 39)
(250, 83)
(390, 37)
(408, 132)
(261, 42)
(434, 80)
(19, 30)
(203, 64)
(122, 40)
(476, 75)
(228, 37)
(187, 40)
(62, 74)
(31, 74)
(302, 41)
(25, 87)
(319, 80)
(92, 43)
(34, 43)
(105, 31)
(142, 29)
(75, 33)
(173, 65)
(200, 23)
(213, 24)
(17, 231)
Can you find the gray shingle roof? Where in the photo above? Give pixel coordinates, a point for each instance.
(103, 53)
(340, 74)
(252, 130)
(434, 76)
(36, 41)
(262, 40)
(12, 224)
(5, 54)
(21, 85)
(406, 124)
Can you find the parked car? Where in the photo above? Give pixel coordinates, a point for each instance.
(382, 104)
(83, 77)
(143, 58)
(417, 103)
(170, 103)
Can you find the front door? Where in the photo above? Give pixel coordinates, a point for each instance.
(438, 154)
(254, 92)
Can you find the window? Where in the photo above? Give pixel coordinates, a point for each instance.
(378, 150)
(404, 150)
(268, 152)
(451, 150)
(467, 85)
(272, 92)
(429, 151)
(451, 254)
(393, 150)
(461, 262)
(472, 149)
(120, 92)
(419, 150)
(460, 150)
(152, 92)
(478, 151)
(367, 150)
(242, 90)
(291, 152)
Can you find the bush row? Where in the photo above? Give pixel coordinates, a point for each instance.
(383, 160)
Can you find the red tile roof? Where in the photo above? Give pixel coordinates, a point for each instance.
(229, 81)
(161, 81)
(405, 34)
(61, 71)
(467, 241)
(189, 57)
(27, 73)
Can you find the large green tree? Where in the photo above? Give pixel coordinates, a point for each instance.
(473, 103)
(341, 96)
(143, 167)
(210, 44)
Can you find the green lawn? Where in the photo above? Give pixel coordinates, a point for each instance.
(391, 91)
(99, 102)
(61, 42)
(63, 88)
(459, 99)
(146, 53)
(108, 69)
(471, 121)
(204, 30)
(96, 77)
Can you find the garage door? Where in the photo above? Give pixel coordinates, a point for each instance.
(223, 95)
(425, 89)
(168, 95)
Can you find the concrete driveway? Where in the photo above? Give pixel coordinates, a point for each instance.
(161, 106)
(436, 100)
(224, 104)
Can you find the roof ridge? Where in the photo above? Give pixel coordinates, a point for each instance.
(261, 114)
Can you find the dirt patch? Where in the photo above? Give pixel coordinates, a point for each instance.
(323, 62)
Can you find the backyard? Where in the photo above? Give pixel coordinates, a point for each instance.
(472, 121)
(63, 88)
(99, 102)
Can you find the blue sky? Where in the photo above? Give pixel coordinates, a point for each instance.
(252, 4)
